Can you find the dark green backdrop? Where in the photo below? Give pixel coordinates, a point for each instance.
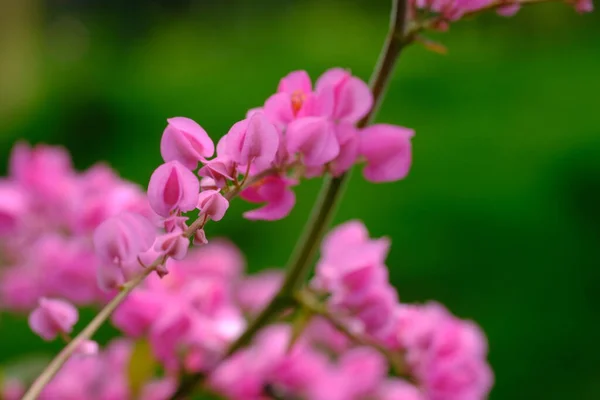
(499, 218)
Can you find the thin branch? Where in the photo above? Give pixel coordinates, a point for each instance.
(308, 301)
(62, 357)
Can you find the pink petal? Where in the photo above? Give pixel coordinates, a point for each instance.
(314, 138)
(172, 187)
(185, 141)
(387, 149)
(295, 81)
(52, 317)
(213, 204)
(276, 192)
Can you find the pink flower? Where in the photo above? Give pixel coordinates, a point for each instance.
(43, 170)
(351, 263)
(294, 99)
(172, 188)
(213, 204)
(255, 291)
(314, 138)
(138, 312)
(398, 389)
(253, 140)
(349, 98)
(53, 317)
(387, 149)
(185, 141)
(273, 190)
(220, 170)
(13, 206)
(103, 376)
(174, 244)
(446, 354)
(168, 335)
(377, 310)
(120, 239)
(584, 6)
(365, 369)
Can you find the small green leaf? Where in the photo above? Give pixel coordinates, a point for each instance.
(142, 366)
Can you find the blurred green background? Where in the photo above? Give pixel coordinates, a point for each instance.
(499, 218)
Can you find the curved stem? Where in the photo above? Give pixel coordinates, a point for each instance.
(333, 188)
(309, 302)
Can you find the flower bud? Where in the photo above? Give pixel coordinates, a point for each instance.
(120, 239)
(53, 317)
(220, 170)
(185, 141)
(173, 244)
(253, 140)
(213, 204)
(172, 187)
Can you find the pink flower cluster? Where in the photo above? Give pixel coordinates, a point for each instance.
(300, 131)
(191, 315)
(444, 354)
(48, 214)
(452, 10)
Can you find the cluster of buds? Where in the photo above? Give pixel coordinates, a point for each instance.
(438, 14)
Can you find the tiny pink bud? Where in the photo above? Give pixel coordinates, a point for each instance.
(172, 187)
(175, 222)
(120, 239)
(314, 138)
(213, 204)
(387, 149)
(53, 317)
(173, 244)
(185, 141)
(220, 169)
(253, 140)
